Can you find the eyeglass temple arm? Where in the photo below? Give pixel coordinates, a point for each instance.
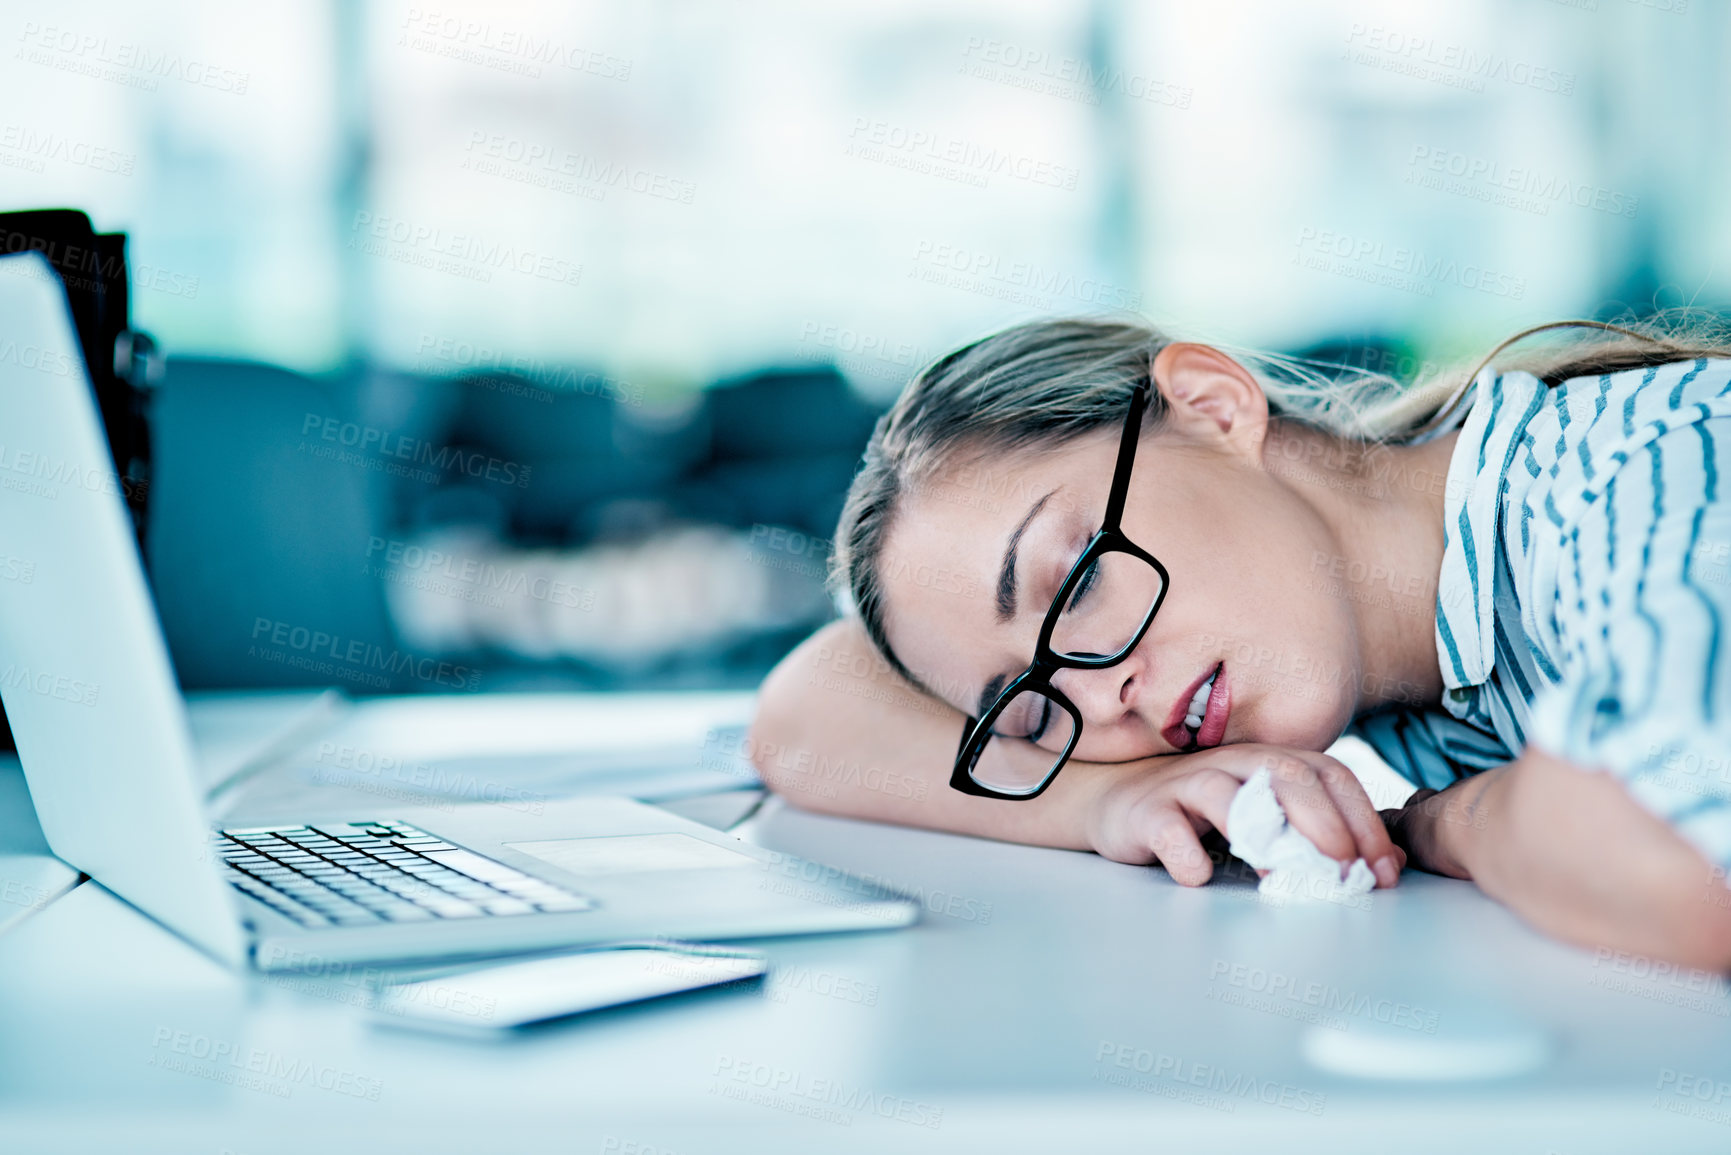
(1126, 456)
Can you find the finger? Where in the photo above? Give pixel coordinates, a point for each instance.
(1366, 825)
(1402, 821)
(1310, 808)
(1174, 843)
(1400, 831)
(1395, 821)
(1209, 793)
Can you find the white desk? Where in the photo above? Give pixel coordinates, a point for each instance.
(1020, 1009)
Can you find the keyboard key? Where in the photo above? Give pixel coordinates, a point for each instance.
(563, 903)
(472, 864)
(357, 874)
(453, 908)
(409, 912)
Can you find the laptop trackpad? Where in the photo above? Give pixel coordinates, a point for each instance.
(632, 854)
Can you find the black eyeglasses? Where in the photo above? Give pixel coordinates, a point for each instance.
(1102, 610)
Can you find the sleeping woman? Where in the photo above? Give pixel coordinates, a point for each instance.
(1099, 577)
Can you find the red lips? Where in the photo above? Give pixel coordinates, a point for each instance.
(1219, 706)
(1177, 735)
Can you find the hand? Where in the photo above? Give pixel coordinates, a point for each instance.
(1433, 824)
(1159, 815)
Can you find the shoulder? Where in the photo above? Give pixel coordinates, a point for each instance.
(1570, 437)
(1514, 395)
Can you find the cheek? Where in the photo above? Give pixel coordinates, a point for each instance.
(1247, 600)
(1240, 553)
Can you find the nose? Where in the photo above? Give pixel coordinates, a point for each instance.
(1102, 696)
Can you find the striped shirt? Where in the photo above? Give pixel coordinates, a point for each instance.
(1584, 603)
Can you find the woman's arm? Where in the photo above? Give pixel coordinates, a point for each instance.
(840, 732)
(1557, 834)
(1572, 853)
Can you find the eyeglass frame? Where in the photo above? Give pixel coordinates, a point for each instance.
(1109, 538)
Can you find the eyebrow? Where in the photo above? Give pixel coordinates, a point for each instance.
(1007, 597)
(1007, 571)
(990, 694)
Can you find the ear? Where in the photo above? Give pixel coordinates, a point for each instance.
(1212, 397)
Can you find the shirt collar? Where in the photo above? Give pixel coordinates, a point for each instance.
(1465, 629)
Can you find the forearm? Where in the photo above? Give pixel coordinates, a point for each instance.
(838, 731)
(1572, 853)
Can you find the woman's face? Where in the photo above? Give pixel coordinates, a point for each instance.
(974, 558)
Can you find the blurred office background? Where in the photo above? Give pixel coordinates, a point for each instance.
(520, 344)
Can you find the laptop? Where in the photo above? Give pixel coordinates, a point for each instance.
(102, 733)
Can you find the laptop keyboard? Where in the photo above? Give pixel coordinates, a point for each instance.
(367, 873)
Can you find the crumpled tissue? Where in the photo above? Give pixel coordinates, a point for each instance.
(1261, 836)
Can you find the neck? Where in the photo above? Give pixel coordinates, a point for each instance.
(1383, 506)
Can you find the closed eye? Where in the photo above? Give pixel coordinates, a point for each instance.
(1026, 719)
(1084, 586)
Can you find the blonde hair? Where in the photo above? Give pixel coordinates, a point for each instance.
(1044, 383)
